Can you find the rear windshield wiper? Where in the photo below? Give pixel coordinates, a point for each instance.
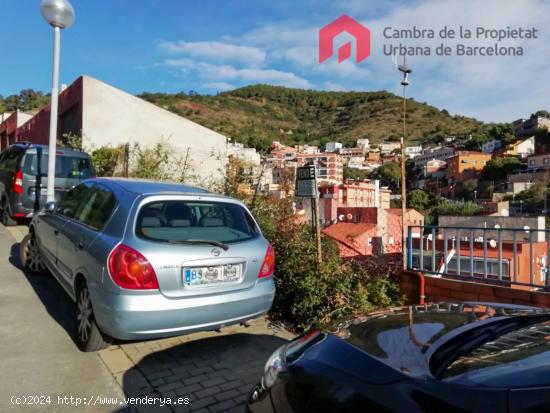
(221, 245)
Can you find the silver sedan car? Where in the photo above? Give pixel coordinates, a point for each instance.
(146, 259)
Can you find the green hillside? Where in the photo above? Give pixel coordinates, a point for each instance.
(259, 114)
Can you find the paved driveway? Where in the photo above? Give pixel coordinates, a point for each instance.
(213, 370)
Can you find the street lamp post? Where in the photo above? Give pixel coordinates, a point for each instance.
(59, 14)
(521, 206)
(405, 82)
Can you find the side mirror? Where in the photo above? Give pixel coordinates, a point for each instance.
(50, 207)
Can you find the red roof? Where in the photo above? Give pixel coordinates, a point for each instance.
(397, 211)
(345, 231)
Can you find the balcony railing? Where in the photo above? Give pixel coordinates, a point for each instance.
(509, 256)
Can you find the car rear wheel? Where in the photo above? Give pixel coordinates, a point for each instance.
(30, 255)
(89, 336)
(7, 220)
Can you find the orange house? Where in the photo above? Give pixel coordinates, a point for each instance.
(466, 164)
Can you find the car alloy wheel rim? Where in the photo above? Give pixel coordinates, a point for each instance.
(32, 255)
(84, 316)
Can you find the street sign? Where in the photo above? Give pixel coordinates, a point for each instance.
(306, 182)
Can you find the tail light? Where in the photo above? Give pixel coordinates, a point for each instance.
(17, 184)
(129, 269)
(268, 266)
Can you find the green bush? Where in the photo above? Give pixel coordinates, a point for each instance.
(447, 207)
(105, 160)
(310, 295)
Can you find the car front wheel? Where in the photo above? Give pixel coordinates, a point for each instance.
(89, 336)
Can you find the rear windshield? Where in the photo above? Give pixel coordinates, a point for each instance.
(517, 358)
(195, 220)
(65, 166)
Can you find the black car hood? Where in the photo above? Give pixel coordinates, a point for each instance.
(404, 337)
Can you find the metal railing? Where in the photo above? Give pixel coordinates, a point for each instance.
(518, 256)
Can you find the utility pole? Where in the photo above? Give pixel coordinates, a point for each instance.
(257, 187)
(405, 82)
(126, 161)
(317, 219)
(184, 168)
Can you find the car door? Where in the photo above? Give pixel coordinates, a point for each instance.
(77, 236)
(48, 225)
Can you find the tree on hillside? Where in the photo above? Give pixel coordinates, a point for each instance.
(389, 174)
(354, 173)
(26, 100)
(542, 137)
(476, 141)
(543, 113)
(497, 169)
(419, 200)
(502, 132)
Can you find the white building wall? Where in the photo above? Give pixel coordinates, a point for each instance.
(113, 117)
(22, 117)
(333, 147)
(527, 147)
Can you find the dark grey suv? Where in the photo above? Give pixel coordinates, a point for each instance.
(24, 176)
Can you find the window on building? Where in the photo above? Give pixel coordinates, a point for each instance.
(546, 161)
(532, 162)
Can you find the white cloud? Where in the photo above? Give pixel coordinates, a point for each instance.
(222, 73)
(219, 86)
(334, 87)
(217, 51)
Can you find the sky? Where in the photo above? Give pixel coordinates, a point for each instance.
(211, 46)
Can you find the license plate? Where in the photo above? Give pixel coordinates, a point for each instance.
(217, 274)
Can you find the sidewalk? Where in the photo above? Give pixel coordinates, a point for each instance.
(37, 354)
(215, 371)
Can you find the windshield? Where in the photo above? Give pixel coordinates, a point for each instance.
(173, 221)
(65, 166)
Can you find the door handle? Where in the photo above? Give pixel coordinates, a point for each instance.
(80, 245)
(56, 231)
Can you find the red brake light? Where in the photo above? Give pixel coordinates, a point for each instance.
(17, 184)
(129, 269)
(268, 266)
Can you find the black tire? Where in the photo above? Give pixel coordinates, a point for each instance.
(30, 255)
(7, 220)
(89, 337)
